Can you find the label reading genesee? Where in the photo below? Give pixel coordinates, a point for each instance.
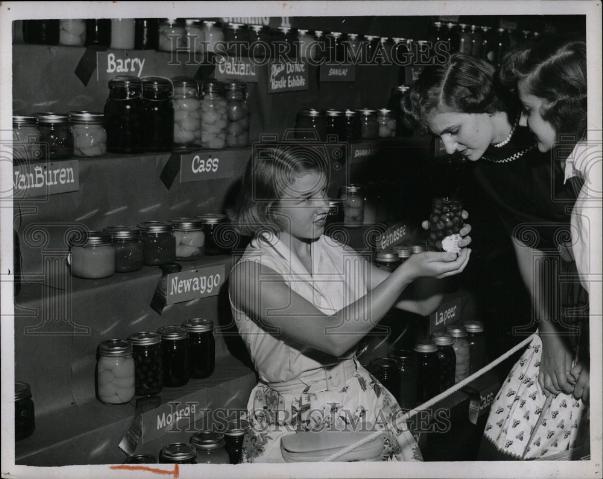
(199, 283)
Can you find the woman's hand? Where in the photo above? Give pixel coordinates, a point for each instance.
(435, 264)
(555, 365)
(581, 377)
(464, 232)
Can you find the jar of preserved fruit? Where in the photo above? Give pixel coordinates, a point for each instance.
(209, 447)
(123, 33)
(407, 378)
(157, 113)
(317, 47)
(98, 32)
(128, 248)
(446, 219)
(172, 35)
(428, 371)
(477, 345)
(387, 123)
(335, 124)
(146, 350)
(386, 372)
(92, 256)
(213, 34)
(237, 133)
(335, 50)
(177, 453)
(195, 35)
(26, 138)
(175, 356)
(56, 134)
(464, 40)
(234, 437)
(335, 212)
(215, 233)
(352, 125)
(353, 206)
(476, 41)
(146, 34)
(310, 125)
(387, 260)
(447, 359)
(123, 115)
(202, 346)
(403, 253)
(214, 116)
(89, 135)
(187, 112)
(304, 42)
(369, 127)
(115, 372)
(158, 243)
(461, 352)
(25, 419)
(43, 32)
(353, 46)
(190, 238)
(72, 32)
(141, 459)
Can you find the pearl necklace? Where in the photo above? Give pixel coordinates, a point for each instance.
(508, 138)
(513, 157)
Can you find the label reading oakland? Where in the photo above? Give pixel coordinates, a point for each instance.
(192, 284)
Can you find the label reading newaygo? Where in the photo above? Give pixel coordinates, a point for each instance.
(193, 284)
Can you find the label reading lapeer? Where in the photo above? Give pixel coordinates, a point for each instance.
(447, 313)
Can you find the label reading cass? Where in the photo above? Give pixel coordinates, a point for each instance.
(202, 166)
(193, 284)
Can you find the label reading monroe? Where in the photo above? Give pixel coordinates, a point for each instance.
(287, 77)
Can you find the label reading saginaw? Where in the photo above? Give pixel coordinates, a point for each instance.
(193, 284)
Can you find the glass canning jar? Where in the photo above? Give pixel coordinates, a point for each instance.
(25, 420)
(428, 371)
(447, 359)
(187, 112)
(386, 372)
(461, 351)
(98, 32)
(335, 212)
(445, 220)
(128, 248)
(89, 135)
(477, 344)
(407, 374)
(195, 35)
(189, 237)
(123, 115)
(387, 260)
(72, 32)
(146, 34)
(403, 252)
(115, 372)
(335, 124)
(123, 33)
(202, 346)
(56, 134)
(175, 352)
(146, 350)
(26, 138)
(237, 132)
(213, 34)
(310, 125)
(209, 447)
(236, 39)
(172, 35)
(91, 256)
(214, 116)
(369, 127)
(158, 243)
(215, 233)
(44, 32)
(387, 123)
(177, 453)
(352, 125)
(353, 205)
(157, 113)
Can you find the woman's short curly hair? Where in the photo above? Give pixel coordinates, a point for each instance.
(556, 72)
(464, 84)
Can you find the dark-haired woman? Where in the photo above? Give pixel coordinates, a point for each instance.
(302, 302)
(463, 103)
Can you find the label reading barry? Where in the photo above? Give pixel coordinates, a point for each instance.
(193, 284)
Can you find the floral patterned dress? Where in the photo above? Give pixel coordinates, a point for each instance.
(301, 390)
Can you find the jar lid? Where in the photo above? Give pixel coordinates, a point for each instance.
(352, 36)
(335, 203)
(22, 390)
(384, 363)
(19, 120)
(207, 440)
(387, 256)
(212, 218)
(235, 26)
(333, 113)
(236, 85)
(156, 83)
(474, 326)
(425, 348)
(141, 459)
(155, 226)
(456, 331)
(185, 82)
(172, 333)
(402, 88)
(311, 112)
(400, 354)
(397, 39)
(123, 81)
(257, 28)
(367, 111)
(370, 38)
(213, 86)
(186, 224)
(285, 30)
(52, 118)
(236, 428)
(89, 238)
(335, 34)
(352, 188)
(383, 39)
(384, 111)
(318, 33)
(86, 117)
(209, 22)
(402, 251)
(145, 338)
(443, 340)
(178, 452)
(302, 31)
(349, 112)
(198, 325)
(417, 248)
(122, 232)
(115, 347)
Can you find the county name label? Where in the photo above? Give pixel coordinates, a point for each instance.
(284, 77)
(193, 284)
(447, 313)
(337, 73)
(45, 179)
(203, 166)
(242, 69)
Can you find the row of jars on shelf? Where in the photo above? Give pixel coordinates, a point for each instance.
(434, 365)
(148, 361)
(123, 249)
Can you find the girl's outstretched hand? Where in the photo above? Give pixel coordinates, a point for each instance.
(436, 265)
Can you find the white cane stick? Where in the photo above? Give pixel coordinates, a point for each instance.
(435, 399)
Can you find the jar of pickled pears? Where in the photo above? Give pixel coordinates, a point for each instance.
(157, 113)
(461, 351)
(237, 133)
(128, 248)
(26, 138)
(213, 34)
(159, 245)
(172, 35)
(123, 33)
(190, 238)
(387, 123)
(187, 112)
(202, 346)
(369, 127)
(92, 256)
(352, 125)
(353, 206)
(177, 453)
(56, 134)
(146, 350)
(115, 372)
(210, 448)
(175, 356)
(89, 135)
(335, 124)
(123, 115)
(72, 32)
(25, 420)
(214, 116)
(146, 34)
(310, 125)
